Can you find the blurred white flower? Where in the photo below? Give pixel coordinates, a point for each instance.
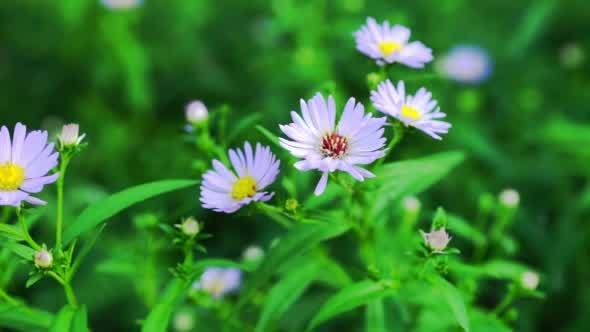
(219, 281)
(70, 135)
(389, 44)
(196, 112)
(419, 111)
(43, 259)
(411, 203)
(253, 253)
(322, 144)
(529, 280)
(466, 64)
(183, 321)
(572, 55)
(223, 191)
(121, 4)
(509, 197)
(437, 240)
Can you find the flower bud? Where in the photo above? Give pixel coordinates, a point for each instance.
(437, 240)
(291, 204)
(253, 253)
(196, 112)
(509, 198)
(190, 227)
(43, 259)
(529, 280)
(70, 135)
(183, 321)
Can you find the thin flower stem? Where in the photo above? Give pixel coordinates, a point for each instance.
(505, 302)
(8, 298)
(6, 212)
(398, 134)
(60, 199)
(28, 238)
(68, 290)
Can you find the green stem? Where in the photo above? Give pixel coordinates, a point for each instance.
(28, 238)
(68, 290)
(6, 212)
(505, 302)
(398, 134)
(7, 298)
(60, 198)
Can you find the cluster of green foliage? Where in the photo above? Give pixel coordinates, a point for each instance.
(352, 259)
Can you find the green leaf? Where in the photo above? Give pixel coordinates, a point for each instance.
(271, 137)
(100, 211)
(33, 279)
(375, 316)
(298, 240)
(12, 232)
(80, 321)
(348, 298)
(23, 318)
(285, 293)
(243, 124)
(459, 226)
(21, 250)
(503, 269)
(410, 177)
(63, 320)
(159, 318)
(440, 219)
(455, 301)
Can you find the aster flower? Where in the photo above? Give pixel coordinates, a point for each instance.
(466, 64)
(389, 44)
(327, 147)
(419, 111)
(219, 281)
(223, 191)
(24, 163)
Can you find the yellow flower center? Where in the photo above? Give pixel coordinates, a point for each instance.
(244, 187)
(11, 177)
(411, 112)
(387, 48)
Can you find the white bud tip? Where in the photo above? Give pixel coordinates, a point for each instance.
(190, 227)
(196, 112)
(253, 253)
(509, 197)
(70, 135)
(183, 321)
(437, 240)
(530, 280)
(411, 204)
(43, 259)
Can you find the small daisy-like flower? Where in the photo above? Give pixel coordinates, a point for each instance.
(437, 240)
(24, 163)
(466, 64)
(70, 135)
(223, 191)
(419, 111)
(219, 281)
(323, 145)
(389, 44)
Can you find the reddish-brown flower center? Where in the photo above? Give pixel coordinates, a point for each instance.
(334, 145)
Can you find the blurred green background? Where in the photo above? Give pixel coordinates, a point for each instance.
(126, 75)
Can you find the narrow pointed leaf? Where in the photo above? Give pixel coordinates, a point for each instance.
(349, 298)
(110, 206)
